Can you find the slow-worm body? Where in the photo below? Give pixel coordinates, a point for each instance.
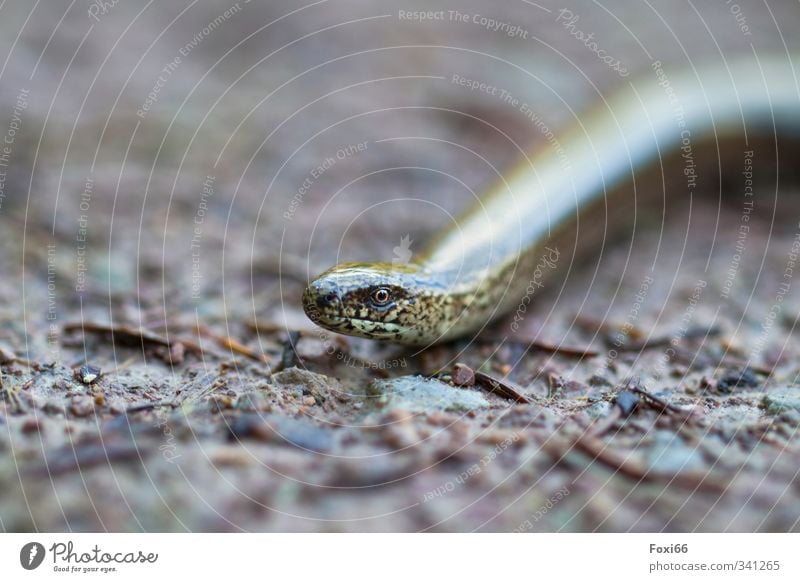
(647, 146)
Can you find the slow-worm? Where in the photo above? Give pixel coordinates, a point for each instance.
(661, 138)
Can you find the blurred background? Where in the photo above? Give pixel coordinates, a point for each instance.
(183, 167)
(147, 100)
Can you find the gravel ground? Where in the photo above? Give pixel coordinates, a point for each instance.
(176, 171)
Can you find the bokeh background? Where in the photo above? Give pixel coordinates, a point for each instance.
(174, 172)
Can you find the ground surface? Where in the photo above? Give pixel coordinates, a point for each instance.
(166, 241)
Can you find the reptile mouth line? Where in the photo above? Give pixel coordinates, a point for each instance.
(351, 322)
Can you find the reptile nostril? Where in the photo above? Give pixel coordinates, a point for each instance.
(327, 299)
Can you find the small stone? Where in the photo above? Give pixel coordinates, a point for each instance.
(500, 437)
(82, 406)
(418, 394)
(254, 402)
(177, 353)
(463, 375)
(597, 380)
(53, 406)
(679, 371)
(219, 402)
(88, 374)
(306, 383)
(627, 401)
(31, 425)
(116, 408)
(227, 457)
(398, 430)
(309, 401)
(745, 378)
(441, 418)
(781, 400)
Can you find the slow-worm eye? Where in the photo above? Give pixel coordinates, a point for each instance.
(381, 296)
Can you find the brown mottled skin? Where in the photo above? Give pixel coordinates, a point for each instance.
(425, 307)
(421, 306)
(609, 172)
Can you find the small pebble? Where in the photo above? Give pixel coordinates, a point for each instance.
(627, 401)
(82, 406)
(177, 353)
(441, 418)
(31, 425)
(423, 395)
(399, 431)
(217, 402)
(88, 373)
(500, 437)
(597, 380)
(254, 402)
(781, 400)
(116, 408)
(463, 375)
(227, 457)
(745, 378)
